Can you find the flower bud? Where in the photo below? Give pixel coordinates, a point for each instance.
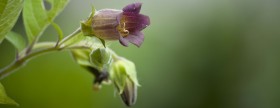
(100, 58)
(123, 74)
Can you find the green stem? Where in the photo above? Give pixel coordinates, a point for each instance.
(9, 69)
(21, 61)
(38, 49)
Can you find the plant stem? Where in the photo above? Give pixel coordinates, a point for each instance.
(21, 61)
(45, 47)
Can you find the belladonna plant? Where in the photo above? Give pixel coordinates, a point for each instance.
(89, 45)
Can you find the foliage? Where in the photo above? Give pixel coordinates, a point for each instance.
(9, 12)
(36, 18)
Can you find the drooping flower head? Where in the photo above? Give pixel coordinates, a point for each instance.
(123, 25)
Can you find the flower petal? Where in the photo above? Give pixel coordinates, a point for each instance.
(135, 38)
(135, 22)
(123, 41)
(133, 8)
(144, 21)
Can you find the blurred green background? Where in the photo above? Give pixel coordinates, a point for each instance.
(196, 54)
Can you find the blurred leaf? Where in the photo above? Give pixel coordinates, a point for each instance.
(9, 12)
(4, 99)
(17, 40)
(36, 18)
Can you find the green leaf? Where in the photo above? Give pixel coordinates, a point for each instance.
(17, 40)
(4, 99)
(9, 13)
(36, 18)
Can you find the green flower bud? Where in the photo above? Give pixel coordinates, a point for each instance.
(100, 58)
(123, 74)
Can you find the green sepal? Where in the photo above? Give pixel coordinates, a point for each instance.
(121, 70)
(119, 76)
(86, 29)
(86, 25)
(103, 42)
